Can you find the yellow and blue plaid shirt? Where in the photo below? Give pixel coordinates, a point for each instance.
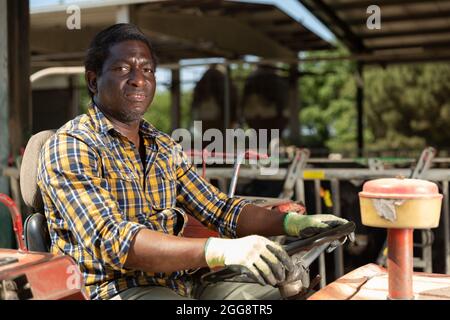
(97, 195)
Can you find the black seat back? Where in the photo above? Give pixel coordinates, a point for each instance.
(36, 233)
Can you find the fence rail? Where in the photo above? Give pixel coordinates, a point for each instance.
(441, 176)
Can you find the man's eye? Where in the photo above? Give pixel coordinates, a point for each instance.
(122, 69)
(148, 70)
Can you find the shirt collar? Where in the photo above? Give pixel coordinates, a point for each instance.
(103, 125)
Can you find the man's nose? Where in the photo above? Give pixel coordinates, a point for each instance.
(137, 78)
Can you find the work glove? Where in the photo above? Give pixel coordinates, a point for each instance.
(305, 226)
(261, 259)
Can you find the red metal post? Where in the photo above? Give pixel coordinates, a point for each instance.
(16, 219)
(400, 264)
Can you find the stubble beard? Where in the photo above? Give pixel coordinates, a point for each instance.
(130, 116)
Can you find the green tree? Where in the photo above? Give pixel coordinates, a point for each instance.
(327, 92)
(408, 106)
(159, 113)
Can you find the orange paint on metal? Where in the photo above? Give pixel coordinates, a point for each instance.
(400, 264)
(370, 282)
(50, 277)
(16, 219)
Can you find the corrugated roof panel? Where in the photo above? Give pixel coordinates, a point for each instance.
(422, 26)
(183, 30)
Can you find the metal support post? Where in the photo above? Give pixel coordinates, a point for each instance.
(338, 253)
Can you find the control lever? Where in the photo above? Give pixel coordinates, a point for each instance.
(296, 249)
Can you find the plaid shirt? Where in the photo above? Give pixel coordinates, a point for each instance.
(97, 195)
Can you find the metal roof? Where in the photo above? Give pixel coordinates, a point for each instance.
(411, 30)
(179, 30)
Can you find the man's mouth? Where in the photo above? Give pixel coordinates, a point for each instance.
(136, 97)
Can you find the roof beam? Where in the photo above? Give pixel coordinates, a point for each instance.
(40, 40)
(219, 32)
(250, 9)
(375, 34)
(402, 59)
(346, 35)
(283, 21)
(444, 14)
(362, 4)
(309, 45)
(295, 36)
(421, 44)
(312, 46)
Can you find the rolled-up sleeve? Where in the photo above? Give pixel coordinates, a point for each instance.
(206, 203)
(70, 176)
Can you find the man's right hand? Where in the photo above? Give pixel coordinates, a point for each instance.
(267, 261)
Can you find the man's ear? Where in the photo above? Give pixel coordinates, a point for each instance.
(91, 81)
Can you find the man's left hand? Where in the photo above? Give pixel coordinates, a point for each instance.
(305, 226)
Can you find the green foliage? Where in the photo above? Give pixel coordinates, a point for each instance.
(84, 95)
(328, 116)
(408, 106)
(159, 113)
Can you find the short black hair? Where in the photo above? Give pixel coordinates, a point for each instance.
(98, 50)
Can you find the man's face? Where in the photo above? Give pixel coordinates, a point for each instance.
(127, 84)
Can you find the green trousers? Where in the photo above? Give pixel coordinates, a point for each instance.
(217, 291)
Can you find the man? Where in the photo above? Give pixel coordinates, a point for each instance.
(116, 192)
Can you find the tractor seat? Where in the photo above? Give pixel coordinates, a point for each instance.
(37, 237)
